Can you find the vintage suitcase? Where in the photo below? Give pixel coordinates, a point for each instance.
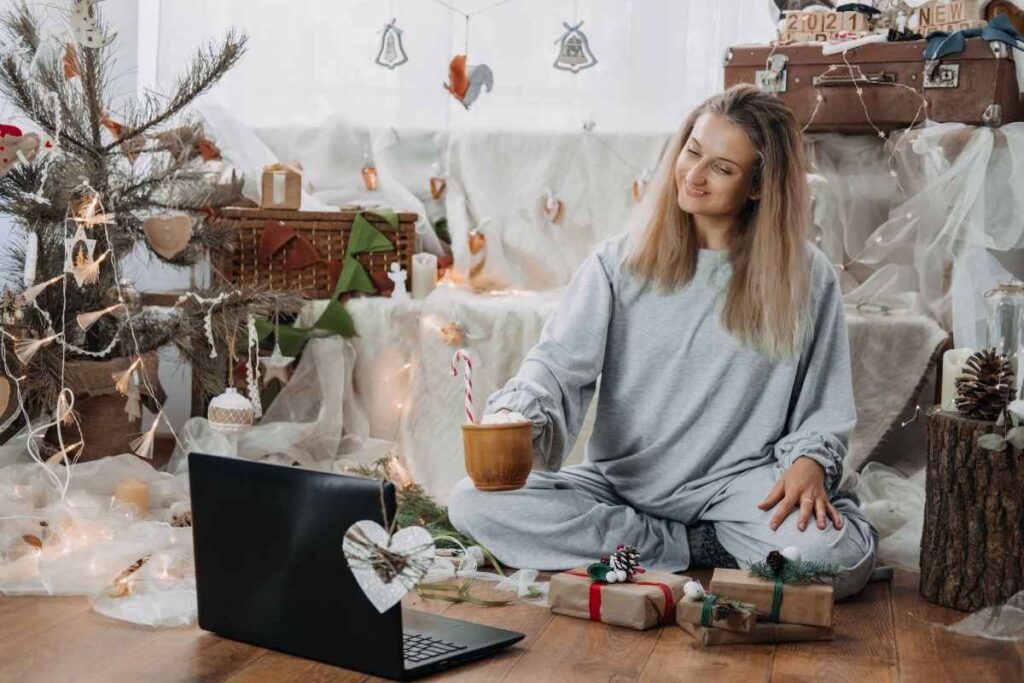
(977, 86)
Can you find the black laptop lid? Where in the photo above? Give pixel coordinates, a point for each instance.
(269, 564)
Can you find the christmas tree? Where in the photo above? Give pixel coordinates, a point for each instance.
(86, 185)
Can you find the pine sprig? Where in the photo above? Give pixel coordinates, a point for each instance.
(415, 507)
(797, 571)
(19, 26)
(208, 66)
(723, 607)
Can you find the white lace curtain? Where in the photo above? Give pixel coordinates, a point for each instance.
(311, 59)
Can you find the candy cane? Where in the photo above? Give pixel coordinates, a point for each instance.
(462, 354)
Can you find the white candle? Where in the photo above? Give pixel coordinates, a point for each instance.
(133, 491)
(424, 274)
(953, 363)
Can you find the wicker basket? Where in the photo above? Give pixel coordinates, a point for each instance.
(328, 231)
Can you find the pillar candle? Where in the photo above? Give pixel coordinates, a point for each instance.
(134, 491)
(424, 274)
(953, 363)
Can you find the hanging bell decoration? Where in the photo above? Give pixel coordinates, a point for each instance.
(574, 51)
(230, 412)
(391, 53)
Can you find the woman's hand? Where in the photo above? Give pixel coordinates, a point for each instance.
(802, 486)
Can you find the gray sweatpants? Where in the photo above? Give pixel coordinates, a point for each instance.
(569, 518)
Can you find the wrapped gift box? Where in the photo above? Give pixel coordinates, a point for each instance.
(762, 633)
(282, 186)
(736, 619)
(809, 604)
(647, 601)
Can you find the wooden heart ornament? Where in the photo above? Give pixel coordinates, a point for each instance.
(437, 187)
(387, 570)
(168, 235)
(553, 208)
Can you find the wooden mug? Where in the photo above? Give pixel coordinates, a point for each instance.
(498, 456)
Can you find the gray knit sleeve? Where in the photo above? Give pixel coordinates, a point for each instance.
(822, 414)
(557, 379)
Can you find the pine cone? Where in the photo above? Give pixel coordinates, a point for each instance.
(986, 387)
(626, 557)
(776, 560)
(720, 610)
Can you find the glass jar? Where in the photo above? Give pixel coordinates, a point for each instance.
(1004, 306)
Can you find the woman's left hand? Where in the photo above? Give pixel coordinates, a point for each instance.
(802, 486)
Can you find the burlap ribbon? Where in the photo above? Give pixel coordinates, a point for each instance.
(93, 377)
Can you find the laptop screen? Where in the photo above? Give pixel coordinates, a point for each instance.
(269, 563)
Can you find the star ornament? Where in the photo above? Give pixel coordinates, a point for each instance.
(79, 250)
(275, 366)
(89, 214)
(453, 334)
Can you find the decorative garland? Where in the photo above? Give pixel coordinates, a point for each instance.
(793, 570)
(364, 238)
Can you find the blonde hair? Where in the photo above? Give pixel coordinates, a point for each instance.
(764, 303)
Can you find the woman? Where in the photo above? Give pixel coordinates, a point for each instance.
(726, 400)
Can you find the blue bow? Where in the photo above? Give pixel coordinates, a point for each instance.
(941, 43)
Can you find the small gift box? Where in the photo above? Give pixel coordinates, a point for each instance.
(762, 633)
(644, 602)
(282, 186)
(809, 604)
(714, 611)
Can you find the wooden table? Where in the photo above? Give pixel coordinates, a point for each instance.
(884, 634)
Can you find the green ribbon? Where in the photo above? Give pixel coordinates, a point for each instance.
(442, 591)
(363, 238)
(707, 609)
(777, 586)
(334, 320)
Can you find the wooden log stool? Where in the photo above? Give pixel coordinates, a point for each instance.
(972, 547)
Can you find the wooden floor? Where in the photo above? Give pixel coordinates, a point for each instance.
(884, 634)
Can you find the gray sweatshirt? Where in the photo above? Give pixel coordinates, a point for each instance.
(684, 407)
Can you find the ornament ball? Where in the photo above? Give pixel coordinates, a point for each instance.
(693, 590)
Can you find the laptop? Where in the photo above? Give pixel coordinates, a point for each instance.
(270, 571)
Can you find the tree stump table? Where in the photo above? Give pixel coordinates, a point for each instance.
(972, 547)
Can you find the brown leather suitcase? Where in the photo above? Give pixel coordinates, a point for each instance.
(977, 86)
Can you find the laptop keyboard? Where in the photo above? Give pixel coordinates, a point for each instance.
(419, 647)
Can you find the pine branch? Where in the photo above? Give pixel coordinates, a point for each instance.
(207, 67)
(21, 27)
(229, 320)
(26, 95)
(798, 571)
(93, 86)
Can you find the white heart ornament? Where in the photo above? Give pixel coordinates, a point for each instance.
(168, 235)
(415, 543)
(16, 148)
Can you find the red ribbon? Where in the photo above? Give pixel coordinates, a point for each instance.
(595, 596)
(276, 236)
